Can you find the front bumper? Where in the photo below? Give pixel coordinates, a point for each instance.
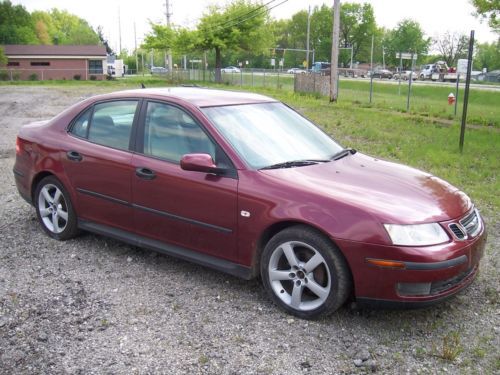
(430, 274)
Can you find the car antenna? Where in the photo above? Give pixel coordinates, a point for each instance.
(142, 86)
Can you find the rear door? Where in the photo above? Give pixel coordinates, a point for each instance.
(97, 162)
(190, 209)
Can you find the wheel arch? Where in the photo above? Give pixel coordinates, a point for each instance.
(277, 227)
(36, 180)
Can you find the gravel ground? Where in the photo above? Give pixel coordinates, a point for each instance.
(95, 305)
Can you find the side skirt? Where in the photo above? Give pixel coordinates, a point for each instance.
(176, 251)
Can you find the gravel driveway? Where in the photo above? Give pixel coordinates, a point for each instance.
(95, 305)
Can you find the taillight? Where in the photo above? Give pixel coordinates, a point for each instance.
(18, 146)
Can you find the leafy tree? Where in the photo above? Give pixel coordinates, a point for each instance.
(161, 37)
(487, 56)
(71, 29)
(16, 25)
(3, 58)
(357, 25)
(489, 9)
(451, 47)
(239, 26)
(321, 32)
(406, 37)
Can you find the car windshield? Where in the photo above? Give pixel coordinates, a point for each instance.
(268, 134)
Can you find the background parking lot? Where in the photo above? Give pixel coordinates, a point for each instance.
(95, 305)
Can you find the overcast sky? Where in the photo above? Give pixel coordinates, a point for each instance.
(435, 17)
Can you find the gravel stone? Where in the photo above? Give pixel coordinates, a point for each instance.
(81, 307)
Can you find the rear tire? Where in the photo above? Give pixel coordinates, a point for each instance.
(304, 273)
(54, 209)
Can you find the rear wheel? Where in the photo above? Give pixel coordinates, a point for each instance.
(304, 273)
(54, 209)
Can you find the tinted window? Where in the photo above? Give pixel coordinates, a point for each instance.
(81, 124)
(95, 66)
(112, 122)
(170, 133)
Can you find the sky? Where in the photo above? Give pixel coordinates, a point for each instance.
(435, 17)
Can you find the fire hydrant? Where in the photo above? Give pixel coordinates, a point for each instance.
(451, 98)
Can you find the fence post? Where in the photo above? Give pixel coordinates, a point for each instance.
(278, 81)
(264, 84)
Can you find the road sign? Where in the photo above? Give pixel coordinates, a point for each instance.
(273, 62)
(462, 66)
(195, 61)
(406, 56)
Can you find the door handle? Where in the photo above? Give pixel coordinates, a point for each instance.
(73, 155)
(145, 173)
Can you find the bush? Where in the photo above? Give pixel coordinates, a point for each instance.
(33, 77)
(93, 77)
(4, 76)
(109, 77)
(16, 76)
(77, 77)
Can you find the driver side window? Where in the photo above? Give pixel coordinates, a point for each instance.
(170, 133)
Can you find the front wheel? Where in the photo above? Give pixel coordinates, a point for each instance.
(54, 209)
(304, 273)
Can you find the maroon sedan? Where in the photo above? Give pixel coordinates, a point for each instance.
(242, 183)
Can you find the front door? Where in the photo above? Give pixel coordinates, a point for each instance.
(190, 209)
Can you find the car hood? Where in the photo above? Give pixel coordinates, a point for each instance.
(393, 192)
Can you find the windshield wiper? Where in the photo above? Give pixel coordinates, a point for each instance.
(295, 163)
(342, 153)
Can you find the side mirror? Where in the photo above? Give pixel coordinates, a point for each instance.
(200, 163)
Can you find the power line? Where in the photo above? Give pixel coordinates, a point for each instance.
(233, 23)
(244, 15)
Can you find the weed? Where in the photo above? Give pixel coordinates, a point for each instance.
(450, 347)
(203, 359)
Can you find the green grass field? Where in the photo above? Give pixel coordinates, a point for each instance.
(426, 138)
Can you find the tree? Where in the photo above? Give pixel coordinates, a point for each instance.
(406, 37)
(161, 37)
(487, 56)
(239, 26)
(357, 25)
(489, 9)
(3, 58)
(104, 41)
(16, 25)
(451, 47)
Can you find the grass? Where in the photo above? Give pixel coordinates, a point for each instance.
(424, 138)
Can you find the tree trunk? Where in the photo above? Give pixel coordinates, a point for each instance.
(218, 63)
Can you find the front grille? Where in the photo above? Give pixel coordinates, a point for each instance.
(471, 223)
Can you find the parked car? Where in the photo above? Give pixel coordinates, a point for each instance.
(158, 70)
(382, 73)
(231, 69)
(296, 71)
(198, 174)
(405, 75)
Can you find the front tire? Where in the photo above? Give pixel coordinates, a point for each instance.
(54, 209)
(305, 273)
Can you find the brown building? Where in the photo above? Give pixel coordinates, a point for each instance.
(55, 62)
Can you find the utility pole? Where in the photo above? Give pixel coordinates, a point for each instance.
(168, 14)
(119, 31)
(308, 36)
(335, 51)
(135, 48)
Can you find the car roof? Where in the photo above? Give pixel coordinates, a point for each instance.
(200, 97)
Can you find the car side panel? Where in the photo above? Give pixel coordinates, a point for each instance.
(100, 181)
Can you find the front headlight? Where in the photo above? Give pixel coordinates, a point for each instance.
(416, 235)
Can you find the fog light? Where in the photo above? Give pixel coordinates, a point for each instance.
(413, 289)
